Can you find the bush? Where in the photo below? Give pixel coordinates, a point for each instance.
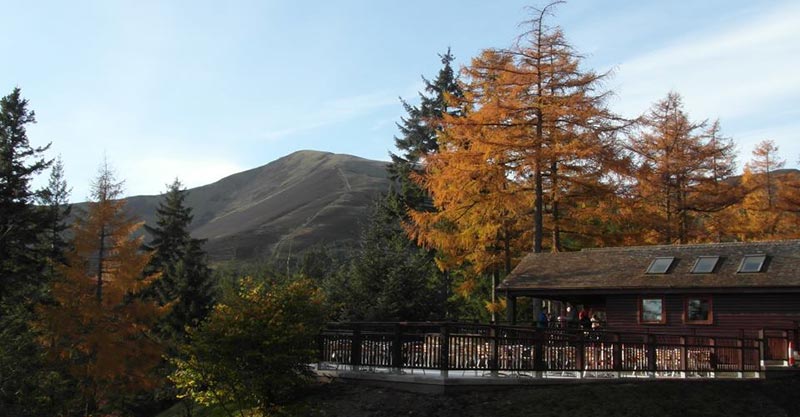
(254, 350)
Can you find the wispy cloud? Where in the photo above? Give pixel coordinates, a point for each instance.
(332, 112)
(728, 74)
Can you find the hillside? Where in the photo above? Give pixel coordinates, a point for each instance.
(283, 207)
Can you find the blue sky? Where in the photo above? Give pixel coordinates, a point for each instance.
(203, 89)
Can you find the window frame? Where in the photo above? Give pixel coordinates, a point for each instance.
(653, 262)
(663, 310)
(709, 320)
(752, 255)
(697, 262)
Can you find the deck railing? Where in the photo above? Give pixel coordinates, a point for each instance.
(537, 352)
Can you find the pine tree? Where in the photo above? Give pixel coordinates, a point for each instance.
(186, 279)
(54, 203)
(28, 385)
(20, 222)
(97, 323)
(388, 278)
(420, 130)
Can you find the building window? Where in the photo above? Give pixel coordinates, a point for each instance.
(705, 264)
(752, 263)
(651, 310)
(698, 310)
(660, 265)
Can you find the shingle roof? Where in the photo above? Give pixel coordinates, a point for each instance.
(624, 268)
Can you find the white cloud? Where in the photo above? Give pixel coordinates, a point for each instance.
(729, 74)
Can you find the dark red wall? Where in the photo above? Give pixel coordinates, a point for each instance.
(732, 313)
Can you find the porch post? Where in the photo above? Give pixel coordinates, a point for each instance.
(511, 310)
(536, 303)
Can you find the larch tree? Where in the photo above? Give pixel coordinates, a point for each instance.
(680, 171)
(762, 215)
(97, 323)
(763, 165)
(533, 138)
(717, 195)
(534, 118)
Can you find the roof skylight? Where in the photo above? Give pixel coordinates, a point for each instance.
(752, 263)
(660, 265)
(705, 264)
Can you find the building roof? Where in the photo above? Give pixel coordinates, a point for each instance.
(624, 268)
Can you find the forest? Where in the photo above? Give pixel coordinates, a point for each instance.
(516, 152)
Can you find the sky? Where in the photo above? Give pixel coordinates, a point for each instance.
(203, 89)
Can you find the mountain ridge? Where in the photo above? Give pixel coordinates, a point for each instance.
(303, 199)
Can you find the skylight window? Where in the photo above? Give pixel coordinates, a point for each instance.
(705, 264)
(752, 263)
(660, 265)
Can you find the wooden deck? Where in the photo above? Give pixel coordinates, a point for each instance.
(468, 350)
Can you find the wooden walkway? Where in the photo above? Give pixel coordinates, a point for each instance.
(448, 350)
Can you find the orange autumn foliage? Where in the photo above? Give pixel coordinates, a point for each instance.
(528, 155)
(98, 324)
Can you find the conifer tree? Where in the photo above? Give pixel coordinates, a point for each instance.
(420, 130)
(534, 138)
(388, 277)
(764, 163)
(186, 279)
(532, 144)
(21, 224)
(97, 323)
(27, 383)
(54, 203)
(764, 213)
(680, 171)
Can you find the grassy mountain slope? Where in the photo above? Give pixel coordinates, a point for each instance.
(284, 207)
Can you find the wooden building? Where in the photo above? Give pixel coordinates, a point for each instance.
(723, 289)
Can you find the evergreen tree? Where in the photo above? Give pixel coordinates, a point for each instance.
(21, 224)
(54, 204)
(388, 278)
(420, 130)
(28, 385)
(186, 279)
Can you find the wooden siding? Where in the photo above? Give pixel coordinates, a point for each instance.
(731, 313)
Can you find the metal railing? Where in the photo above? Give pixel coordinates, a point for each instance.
(496, 349)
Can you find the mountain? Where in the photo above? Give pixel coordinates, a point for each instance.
(284, 207)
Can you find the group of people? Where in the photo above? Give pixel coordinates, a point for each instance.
(583, 320)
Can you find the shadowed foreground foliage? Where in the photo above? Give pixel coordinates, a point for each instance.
(773, 397)
(254, 349)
